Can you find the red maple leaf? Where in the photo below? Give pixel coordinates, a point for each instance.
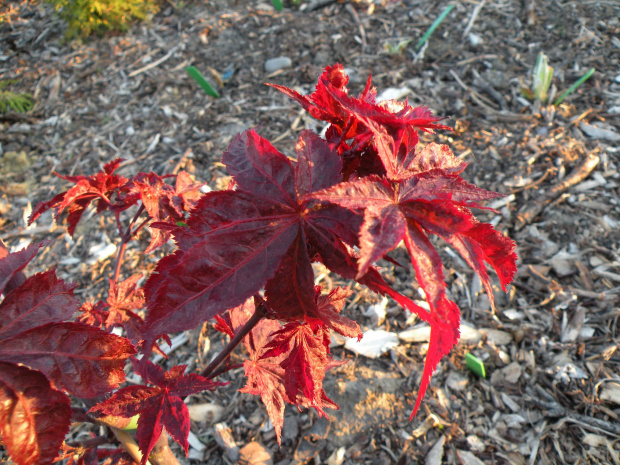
(285, 365)
(267, 230)
(306, 346)
(117, 311)
(34, 417)
(159, 406)
(163, 203)
(431, 200)
(360, 125)
(109, 189)
(41, 354)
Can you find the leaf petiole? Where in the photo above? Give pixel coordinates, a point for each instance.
(258, 315)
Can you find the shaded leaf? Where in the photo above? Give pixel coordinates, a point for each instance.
(34, 417)
(84, 360)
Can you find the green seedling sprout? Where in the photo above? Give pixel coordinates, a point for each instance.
(277, 4)
(574, 87)
(542, 78)
(475, 364)
(431, 29)
(202, 82)
(398, 48)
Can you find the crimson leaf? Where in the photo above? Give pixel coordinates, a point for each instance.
(368, 125)
(34, 335)
(163, 203)
(435, 201)
(238, 241)
(109, 189)
(160, 406)
(117, 311)
(285, 364)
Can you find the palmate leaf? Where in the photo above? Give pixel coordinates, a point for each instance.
(80, 359)
(163, 203)
(360, 126)
(286, 364)
(117, 311)
(12, 264)
(437, 202)
(237, 242)
(41, 354)
(159, 406)
(105, 187)
(34, 417)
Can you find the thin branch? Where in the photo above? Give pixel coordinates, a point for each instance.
(119, 260)
(473, 17)
(125, 238)
(234, 342)
(140, 226)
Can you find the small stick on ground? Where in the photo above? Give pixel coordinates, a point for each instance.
(316, 4)
(473, 17)
(527, 215)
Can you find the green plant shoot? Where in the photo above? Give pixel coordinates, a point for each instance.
(543, 73)
(434, 26)
(202, 82)
(574, 87)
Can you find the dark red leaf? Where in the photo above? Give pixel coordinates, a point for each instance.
(318, 165)
(328, 310)
(13, 263)
(433, 201)
(79, 358)
(122, 299)
(290, 293)
(93, 314)
(236, 241)
(257, 167)
(161, 202)
(160, 406)
(305, 362)
(42, 299)
(188, 190)
(265, 378)
(227, 253)
(34, 417)
(384, 125)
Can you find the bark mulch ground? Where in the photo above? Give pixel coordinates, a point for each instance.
(552, 391)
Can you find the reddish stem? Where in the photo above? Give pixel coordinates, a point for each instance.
(140, 226)
(258, 315)
(223, 369)
(125, 238)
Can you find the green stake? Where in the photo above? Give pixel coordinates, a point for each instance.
(475, 364)
(431, 29)
(572, 88)
(202, 82)
(277, 4)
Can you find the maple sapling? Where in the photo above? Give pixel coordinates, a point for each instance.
(244, 255)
